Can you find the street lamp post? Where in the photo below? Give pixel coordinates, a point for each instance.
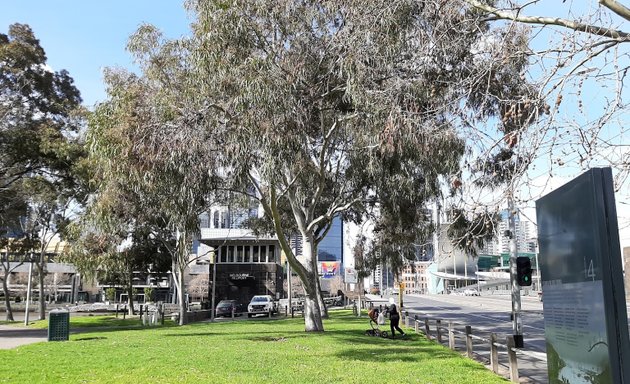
(477, 275)
(28, 291)
(517, 326)
(213, 260)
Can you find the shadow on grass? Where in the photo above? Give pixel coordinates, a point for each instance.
(182, 334)
(90, 338)
(270, 338)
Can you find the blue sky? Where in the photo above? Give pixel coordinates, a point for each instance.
(84, 36)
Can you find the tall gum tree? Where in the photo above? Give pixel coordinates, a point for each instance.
(40, 116)
(148, 136)
(334, 108)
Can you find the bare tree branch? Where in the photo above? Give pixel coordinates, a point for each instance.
(616, 7)
(621, 36)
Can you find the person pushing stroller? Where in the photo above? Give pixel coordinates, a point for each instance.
(394, 318)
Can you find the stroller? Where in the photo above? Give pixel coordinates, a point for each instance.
(376, 320)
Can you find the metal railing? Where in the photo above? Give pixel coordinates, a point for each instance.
(440, 330)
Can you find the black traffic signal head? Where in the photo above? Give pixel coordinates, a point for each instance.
(523, 271)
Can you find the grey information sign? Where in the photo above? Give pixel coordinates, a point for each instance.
(586, 322)
(350, 275)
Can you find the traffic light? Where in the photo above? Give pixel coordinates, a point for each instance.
(523, 271)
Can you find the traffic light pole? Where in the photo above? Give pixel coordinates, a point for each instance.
(517, 326)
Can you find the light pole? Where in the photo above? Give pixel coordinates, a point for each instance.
(213, 260)
(28, 291)
(477, 275)
(516, 291)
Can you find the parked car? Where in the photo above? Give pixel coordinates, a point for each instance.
(471, 292)
(224, 308)
(261, 304)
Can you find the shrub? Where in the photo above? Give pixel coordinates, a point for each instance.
(110, 294)
(148, 294)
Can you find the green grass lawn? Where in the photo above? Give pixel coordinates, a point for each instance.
(259, 351)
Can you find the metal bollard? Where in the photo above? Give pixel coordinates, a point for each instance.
(116, 310)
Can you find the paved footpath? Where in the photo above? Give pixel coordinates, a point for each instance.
(13, 336)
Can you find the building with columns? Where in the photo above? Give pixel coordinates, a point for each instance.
(246, 264)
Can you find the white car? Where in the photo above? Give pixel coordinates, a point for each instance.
(471, 292)
(261, 304)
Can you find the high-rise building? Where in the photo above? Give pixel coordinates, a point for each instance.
(500, 245)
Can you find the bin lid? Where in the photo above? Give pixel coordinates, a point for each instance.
(59, 310)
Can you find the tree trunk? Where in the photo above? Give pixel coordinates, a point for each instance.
(320, 298)
(130, 310)
(312, 310)
(181, 295)
(7, 298)
(41, 273)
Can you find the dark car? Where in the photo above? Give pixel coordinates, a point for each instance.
(224, 308)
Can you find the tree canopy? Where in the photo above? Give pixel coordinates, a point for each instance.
(351, 109)
(317, 110)
(41, 152)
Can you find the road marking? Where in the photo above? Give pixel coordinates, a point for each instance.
(493, 318)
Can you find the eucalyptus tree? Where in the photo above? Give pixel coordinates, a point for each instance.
(14, 249)
(40, 149)
(147, 138)
(336, 108)
(47, 216)
(39, 109)
(116, 236)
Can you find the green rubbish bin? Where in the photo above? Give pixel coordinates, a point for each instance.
(58, 325)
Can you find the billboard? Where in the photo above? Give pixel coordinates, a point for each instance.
(586, 322)
(330, 269)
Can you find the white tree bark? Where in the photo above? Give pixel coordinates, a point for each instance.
(312, 310)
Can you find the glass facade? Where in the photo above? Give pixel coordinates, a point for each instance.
(331, 247)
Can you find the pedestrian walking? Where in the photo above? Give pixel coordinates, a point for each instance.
(394, 318)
